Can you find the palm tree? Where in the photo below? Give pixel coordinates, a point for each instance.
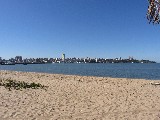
(153, 13)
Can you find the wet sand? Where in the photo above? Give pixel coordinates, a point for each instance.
(70, 97)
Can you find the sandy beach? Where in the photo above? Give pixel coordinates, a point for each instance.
(70, 97)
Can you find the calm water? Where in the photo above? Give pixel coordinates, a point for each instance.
(146, 71)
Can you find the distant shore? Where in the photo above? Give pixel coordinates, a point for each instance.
(79, 97)
(19, 60)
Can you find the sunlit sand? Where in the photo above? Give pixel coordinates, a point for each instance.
(79, 98)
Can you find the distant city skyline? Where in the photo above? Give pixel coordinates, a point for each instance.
(63, 59)
(80, 28)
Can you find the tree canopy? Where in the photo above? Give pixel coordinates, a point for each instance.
(153, 13)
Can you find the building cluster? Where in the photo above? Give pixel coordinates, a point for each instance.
(63, 59)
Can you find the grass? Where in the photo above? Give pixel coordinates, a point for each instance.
(18, 85)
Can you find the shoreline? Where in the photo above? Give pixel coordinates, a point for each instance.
(80, 75)
(72, 97)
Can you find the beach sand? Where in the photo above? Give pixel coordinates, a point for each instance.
(70, 97)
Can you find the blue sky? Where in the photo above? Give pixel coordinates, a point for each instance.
(78, 28)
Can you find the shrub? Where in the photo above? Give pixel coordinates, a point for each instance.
(13, 84)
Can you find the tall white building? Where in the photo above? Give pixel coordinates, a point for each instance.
(63, 57)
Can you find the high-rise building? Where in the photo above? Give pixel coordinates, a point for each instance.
(63, 57)
(18, 59)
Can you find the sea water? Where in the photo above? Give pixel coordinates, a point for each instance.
(124, 70)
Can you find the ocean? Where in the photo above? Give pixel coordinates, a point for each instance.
(124, 70)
